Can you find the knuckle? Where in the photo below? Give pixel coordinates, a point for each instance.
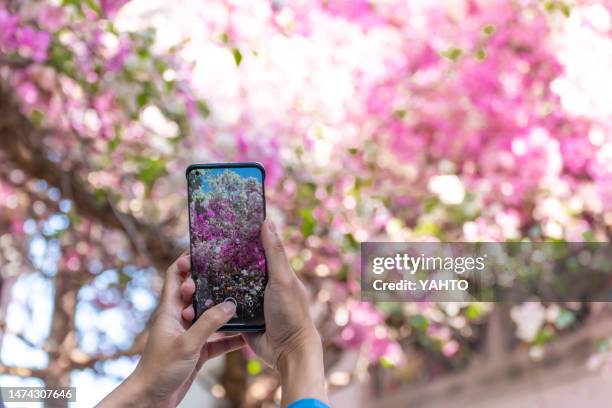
(277, 244)
(172, 268)
(282, 281)
(214, 317)
(182, 343)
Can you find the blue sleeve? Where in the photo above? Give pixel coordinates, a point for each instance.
(308, 403)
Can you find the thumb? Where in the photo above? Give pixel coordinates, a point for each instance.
(209, 322)
(279, 270)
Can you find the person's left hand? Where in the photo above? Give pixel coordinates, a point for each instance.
(174, 352)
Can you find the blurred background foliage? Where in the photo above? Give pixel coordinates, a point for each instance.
(445, 120)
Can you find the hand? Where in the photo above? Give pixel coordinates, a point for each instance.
(175, 349)
(289, 327)
(291, 343)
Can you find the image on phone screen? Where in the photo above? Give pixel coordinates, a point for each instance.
(226, 210)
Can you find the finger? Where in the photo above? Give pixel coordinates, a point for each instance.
(252, 339)
(184, 264)
(257, 343)
(209, 322)
(173, 279)
(188, 314)
(279, 270)
(187, 291)
(224, 345)
(216, 336)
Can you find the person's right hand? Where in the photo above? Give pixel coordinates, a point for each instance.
(289, 327)
(291, 343)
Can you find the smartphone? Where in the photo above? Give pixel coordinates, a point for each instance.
(227, 206)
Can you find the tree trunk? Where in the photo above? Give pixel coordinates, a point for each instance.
(62, 339)
(234, 378)
(22, 145)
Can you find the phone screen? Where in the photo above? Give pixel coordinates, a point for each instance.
(226, 210)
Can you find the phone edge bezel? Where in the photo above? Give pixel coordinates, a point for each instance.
(229, 327)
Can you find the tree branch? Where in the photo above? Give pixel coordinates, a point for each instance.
(23, 145)
(135, 349)
(564, 358)
(20, 336)
(22, 371)
(14, 62)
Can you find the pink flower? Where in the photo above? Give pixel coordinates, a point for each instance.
(451, 348)
(365, 328)
(8, 27)
(51, 18)
(577, 153)
(28, 92)
(115, 63)
(17, 226)
(110, 7)
(32, 43)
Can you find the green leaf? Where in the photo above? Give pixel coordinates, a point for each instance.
(603, 344)
(474, 311)
(481, 54)
(124, 278)
(565, 9)
(400, 113)
(62, 59)
(554, 5)
(148, 36)
(489, 29)
(308, 222)
(76, 4)
(544, 336)
(343, 274)
(385, 363)
(350, 243)
(110, 27)
(237, 56)
(100, 196)
(170, 86)
(94, 6)
(419, 322)
(160, 65)
(143, 53)
(113, 144)
(151, 170)
(37, 117)
(430, 204)
(142, 99)
(452, 53)
(390, 308)
(427, 229)
(550, 6)
(203, 108)
(565, 319)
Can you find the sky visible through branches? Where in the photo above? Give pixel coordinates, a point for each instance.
(427, 120)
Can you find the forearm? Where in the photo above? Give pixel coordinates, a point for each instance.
(133, 392)
(302, 374)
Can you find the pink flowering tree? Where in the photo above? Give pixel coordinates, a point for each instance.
(399, 121)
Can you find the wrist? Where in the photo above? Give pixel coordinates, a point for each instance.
(302, 372)
(135, 391)
(147, 392)
(140, 388)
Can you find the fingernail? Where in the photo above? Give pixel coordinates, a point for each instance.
(228, 307)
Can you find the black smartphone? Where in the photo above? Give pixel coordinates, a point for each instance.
(227, 206)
